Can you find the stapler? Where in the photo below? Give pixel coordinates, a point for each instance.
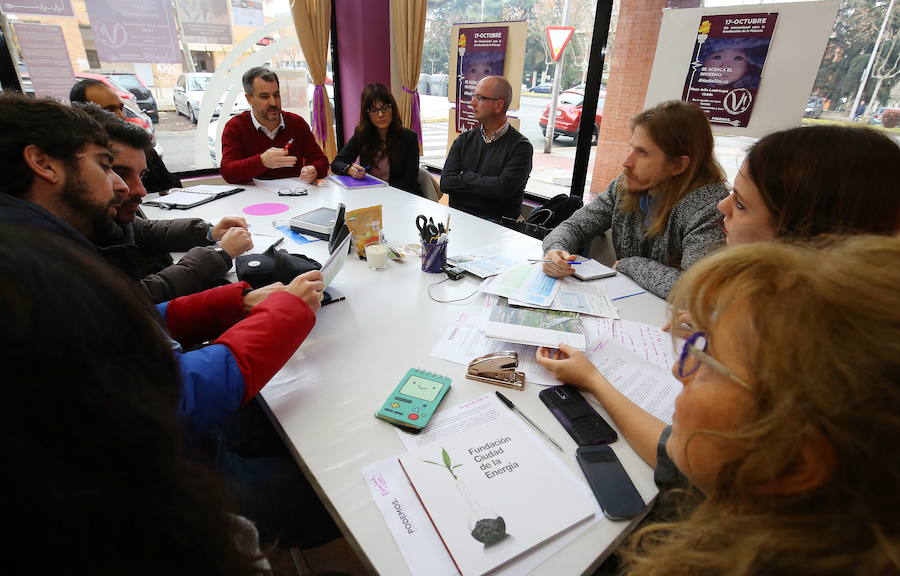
(498, 368)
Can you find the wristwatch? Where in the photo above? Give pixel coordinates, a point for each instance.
(224, 255)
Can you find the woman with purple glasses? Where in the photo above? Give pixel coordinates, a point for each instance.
(782, 436)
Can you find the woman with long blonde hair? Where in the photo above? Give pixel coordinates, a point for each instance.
(788, 417)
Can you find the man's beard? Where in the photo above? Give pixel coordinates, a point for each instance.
(94, 218)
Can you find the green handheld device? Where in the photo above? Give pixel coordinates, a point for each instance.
(415, 399)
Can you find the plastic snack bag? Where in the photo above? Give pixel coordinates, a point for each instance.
(365, 228)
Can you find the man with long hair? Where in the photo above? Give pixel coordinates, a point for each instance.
(661, 209)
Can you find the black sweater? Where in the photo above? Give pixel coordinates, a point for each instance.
(403, 158)
(487, 180)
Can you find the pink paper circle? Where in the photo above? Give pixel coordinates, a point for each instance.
(266, 209)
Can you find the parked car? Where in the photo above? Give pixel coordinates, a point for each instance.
(132, 83)
(189, 90)
(134, 115)
(125, 95)
(814, 107)
(568, 114)
(25, 80)
(545, 88)
(887, 117)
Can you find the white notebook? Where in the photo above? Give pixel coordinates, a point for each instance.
(590, 269)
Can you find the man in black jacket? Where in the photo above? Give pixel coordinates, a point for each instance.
(149, 242)
(157, 177)
(487, 167)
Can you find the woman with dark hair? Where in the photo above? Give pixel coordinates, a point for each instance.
(802, 182)
(381, 146)
(97, 474)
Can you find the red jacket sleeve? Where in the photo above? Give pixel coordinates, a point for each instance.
(235, 167)
(205, 315)
(267, 338)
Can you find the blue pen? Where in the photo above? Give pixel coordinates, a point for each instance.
(535, 260)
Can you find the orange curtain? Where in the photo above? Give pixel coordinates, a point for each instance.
(312, 21)
(408, 25)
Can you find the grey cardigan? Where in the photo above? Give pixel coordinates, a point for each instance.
(694, 229)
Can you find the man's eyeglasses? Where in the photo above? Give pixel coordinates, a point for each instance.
(694, 353)
(293, 191)
(380, 110)
(480, 98)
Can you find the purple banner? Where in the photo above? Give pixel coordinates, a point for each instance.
(726, 70)
(134, 31)
(247, 13)
(43, 7)
(482, 52)
(205, 21)
(45, 53)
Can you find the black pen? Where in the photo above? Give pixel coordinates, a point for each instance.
(512, 407)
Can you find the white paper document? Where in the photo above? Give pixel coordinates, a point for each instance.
(463, 343)
(262, 242)
(619, 286)
(211, 189)
(488, 261)
(407, 520)
(279, 183)
(582, 297)
(526, 283)
(648, 342)
(644, 383)
(534, 326)
(336, 261)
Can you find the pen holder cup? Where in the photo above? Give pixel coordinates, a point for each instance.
(434, 257)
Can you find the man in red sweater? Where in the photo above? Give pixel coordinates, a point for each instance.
(266, 142)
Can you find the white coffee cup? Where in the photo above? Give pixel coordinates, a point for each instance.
(377, 255)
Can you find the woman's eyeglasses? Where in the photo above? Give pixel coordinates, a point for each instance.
(292, 191)
(694, 353)
(380, 110)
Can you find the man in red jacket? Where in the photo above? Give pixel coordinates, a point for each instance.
(266, 142)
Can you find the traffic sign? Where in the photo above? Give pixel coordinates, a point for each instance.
(558, 38)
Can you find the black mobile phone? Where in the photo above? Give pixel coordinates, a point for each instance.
(578, 417)
(610, 483)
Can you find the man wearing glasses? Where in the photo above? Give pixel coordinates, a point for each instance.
(266, 142)
(487, 167)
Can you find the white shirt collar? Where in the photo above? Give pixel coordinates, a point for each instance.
(271, 134)
(496, 135)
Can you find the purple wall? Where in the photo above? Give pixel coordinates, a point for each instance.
(364, 49)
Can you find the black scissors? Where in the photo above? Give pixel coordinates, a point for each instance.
(427, 230)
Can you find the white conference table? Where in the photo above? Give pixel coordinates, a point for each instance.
(325, 397)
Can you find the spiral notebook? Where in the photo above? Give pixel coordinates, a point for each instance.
(184, 198)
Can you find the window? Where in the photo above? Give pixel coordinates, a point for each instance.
(552, 172)
(183, 108)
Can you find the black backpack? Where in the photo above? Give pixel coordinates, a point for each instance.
(546, 217)
(273, 265)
